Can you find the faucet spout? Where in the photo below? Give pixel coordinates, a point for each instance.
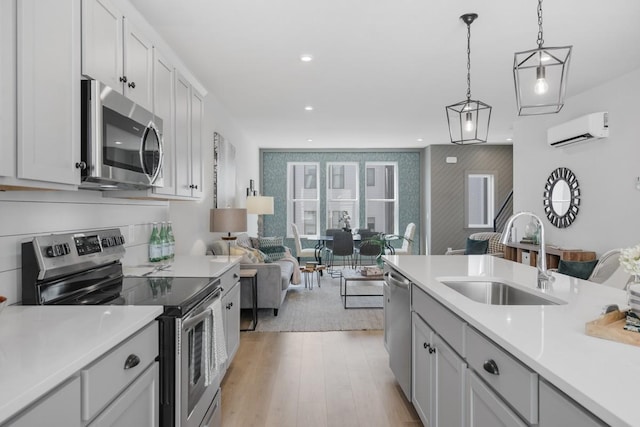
(544, 275)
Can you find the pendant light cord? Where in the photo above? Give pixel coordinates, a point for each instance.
(468, 62)
(540, 40)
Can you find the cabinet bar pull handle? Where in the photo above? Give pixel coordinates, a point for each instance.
(491, 367)
(123, 79)
(131, 362)
(132, 85)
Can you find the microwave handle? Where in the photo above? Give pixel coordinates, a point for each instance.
(151, 128)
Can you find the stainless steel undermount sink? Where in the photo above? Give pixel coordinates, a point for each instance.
(497, 293)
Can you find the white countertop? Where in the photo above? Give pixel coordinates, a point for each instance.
(601, 375)
(41, 346)
(185, 266)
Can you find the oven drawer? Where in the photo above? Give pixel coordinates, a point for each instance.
(105, 379)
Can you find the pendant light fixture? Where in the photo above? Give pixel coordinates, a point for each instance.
(540, 76)
(469, 119)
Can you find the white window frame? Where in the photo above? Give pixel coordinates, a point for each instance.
(488, 198)
(355, 215)
(396, 207)
(313, 202)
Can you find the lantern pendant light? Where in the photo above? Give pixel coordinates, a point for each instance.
(540, 76)
(469, 119)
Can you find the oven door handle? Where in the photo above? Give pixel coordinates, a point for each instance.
(191, 321)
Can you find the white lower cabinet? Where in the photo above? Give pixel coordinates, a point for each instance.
(60, 408)
(558, 410)
(486, 409)
(462, 378)
(230, 284)
(137, 405)
(119, 389)
(438, 378)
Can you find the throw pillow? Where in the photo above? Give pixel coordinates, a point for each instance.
(476, 247)
(244, 253)
(255, 242)
(266, 242)
(265, 257)
(274, 253)
(220, 247)
(254, 254)
(243, 240)
(579, 269)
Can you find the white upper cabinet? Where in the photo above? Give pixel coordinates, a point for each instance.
(48, 91)
(197, 117)
(138, 66)
(7, 87)
(102, 48)
(115, 52)
(183, 136)
(163, 106)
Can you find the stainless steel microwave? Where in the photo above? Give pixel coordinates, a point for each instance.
(121, 141)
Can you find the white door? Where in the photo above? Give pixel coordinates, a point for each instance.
(49, 90)
(422, 375)
(449, 373)
(138, 66)
(102, 55)
(7, 88)
(182, 135)
(163, 100)
(197, 111)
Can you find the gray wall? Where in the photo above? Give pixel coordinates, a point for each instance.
(607, 169)
(447, 188)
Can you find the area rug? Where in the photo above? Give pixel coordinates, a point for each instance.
(322, 309)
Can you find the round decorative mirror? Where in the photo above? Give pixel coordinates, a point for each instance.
(561, 197)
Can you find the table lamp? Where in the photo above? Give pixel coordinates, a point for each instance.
(228, 220)
(260, 205)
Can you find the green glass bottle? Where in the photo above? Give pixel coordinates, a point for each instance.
(172, 241)
(155, 246)
(164, 242)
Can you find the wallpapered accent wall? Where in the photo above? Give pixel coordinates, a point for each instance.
(274, 183)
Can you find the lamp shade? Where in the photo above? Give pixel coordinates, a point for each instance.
(228, 220)
(261, 205)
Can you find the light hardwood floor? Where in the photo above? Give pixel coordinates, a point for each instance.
(331, 379)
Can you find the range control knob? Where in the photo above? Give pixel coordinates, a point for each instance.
(105, 243)
(56, 251)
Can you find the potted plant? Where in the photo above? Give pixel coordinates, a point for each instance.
(381, 241)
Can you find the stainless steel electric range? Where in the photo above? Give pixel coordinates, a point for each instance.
(86, 268)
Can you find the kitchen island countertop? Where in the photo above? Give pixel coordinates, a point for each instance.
(601, 375)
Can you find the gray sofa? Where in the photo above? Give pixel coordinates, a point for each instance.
(273, 278)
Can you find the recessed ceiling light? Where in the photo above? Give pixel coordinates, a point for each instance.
(306, 58)
(419, 139)
(308, 108)
(509, 139)
(309, 140)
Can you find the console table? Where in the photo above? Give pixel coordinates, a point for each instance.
(513, 252)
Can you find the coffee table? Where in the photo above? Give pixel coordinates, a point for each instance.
(349, 275)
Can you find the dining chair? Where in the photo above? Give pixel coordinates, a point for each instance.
(366, 248)
(300, 251)
(407, 242)
(342, 247)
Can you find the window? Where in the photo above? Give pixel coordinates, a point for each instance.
(480, 199)
(303, 197)
(342, 194)
(381, 197)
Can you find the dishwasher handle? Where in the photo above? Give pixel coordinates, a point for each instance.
(396, 280)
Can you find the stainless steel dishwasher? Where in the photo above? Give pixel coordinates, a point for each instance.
(397, 323)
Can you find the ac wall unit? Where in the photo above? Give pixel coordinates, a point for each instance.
(594, 125)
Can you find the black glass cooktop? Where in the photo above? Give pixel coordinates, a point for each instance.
(177, 294)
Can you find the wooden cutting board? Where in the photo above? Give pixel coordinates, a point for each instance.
(611, 327)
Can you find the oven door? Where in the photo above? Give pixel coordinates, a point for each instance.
(199, 376)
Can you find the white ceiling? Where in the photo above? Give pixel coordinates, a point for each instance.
(383, 70)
